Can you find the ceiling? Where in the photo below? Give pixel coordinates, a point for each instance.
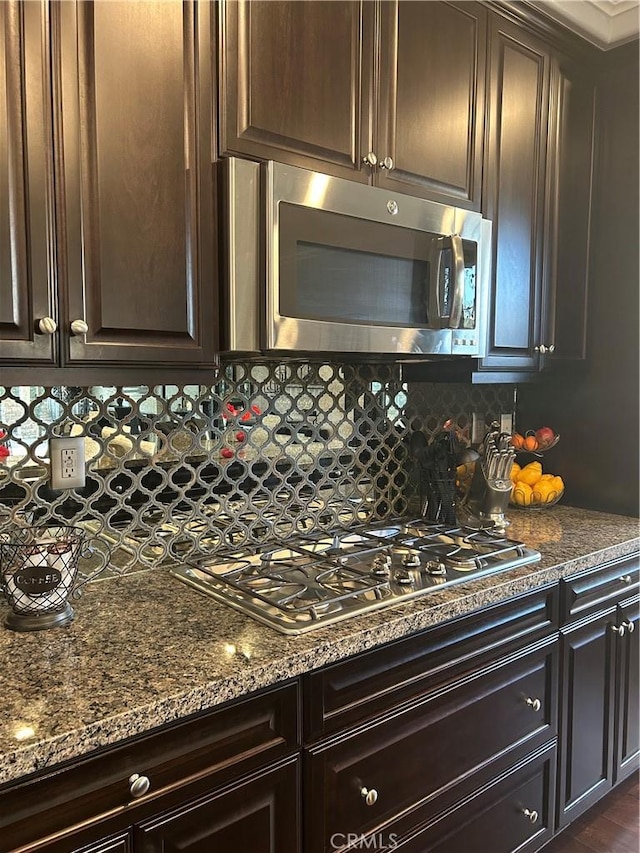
(606, 23)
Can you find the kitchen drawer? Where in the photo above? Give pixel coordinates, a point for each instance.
(209, 749)
(365, 686)
(514, 812)
(597, 589)
(259, 815)
(411, 758)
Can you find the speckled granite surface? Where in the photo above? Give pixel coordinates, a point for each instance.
(145, 650)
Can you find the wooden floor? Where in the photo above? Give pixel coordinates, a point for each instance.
(611, 826)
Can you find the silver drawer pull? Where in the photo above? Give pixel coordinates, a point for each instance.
(626, 579)
(534, 704)
(629, 626)
(532, 814)
(370, 796)
(618, 629)
(370, 159)
(387, 163)
(138, 785)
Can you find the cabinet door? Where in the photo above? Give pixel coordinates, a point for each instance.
(431, 106)
(628, 719)
(515, 193)
(135, 135)
(587, 713)
(571, 159)
(260, 815)
(27, 278)
(296, 83)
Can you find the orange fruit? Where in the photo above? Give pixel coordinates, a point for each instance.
(517, 441)
(530, 443)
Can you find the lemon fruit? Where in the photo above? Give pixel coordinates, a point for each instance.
(522, 494)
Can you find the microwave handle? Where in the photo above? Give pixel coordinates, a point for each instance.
(457, 254)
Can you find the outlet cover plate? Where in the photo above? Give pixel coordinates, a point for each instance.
(67, 462)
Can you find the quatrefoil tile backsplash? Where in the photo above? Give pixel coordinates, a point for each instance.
(270, 449)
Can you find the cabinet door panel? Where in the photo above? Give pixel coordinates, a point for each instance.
(565, 325)
(628, 723)
(260, 816)
(431, 111)
(588, 682)
(137, 180)
(27, 278)
(515, 194)
(296, 83)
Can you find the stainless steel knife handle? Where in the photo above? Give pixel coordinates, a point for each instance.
(457, 253)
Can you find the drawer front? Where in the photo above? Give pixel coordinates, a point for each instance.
(217, 746)
(599, 588)
(513, 813)
(373, 683)
(260, 815)
(412, 757)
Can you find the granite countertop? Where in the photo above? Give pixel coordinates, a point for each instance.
(145, 650)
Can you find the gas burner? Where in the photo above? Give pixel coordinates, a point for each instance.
(320, 578)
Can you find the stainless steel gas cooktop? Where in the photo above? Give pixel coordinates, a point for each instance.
(322, 578)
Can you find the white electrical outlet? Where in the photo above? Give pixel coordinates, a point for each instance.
(67, 463)
(506, 423)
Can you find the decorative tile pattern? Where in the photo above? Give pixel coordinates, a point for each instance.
(268, 450)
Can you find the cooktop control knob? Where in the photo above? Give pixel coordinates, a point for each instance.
(403, 577)
(381, 566)
(411, 561)
(434, 567)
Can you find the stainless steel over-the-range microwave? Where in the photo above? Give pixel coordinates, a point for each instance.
(317, 264)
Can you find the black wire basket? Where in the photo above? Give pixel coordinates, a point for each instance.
(38, 573)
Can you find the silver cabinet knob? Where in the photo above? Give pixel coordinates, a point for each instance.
(47, 326)
(532, 814)
(618, 629)
(552, 348)
(541, 349)
(534, 704)
(369, 795)
(370, 159)
(387, 163)
(629, 626)
(138, 785)
(79, 327)
(626, 579)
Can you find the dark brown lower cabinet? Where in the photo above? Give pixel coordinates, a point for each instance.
(514, 812)
(486, 733)
(599, 695)
(259, 815)
(628, 716)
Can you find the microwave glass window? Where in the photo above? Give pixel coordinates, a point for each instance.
(351, 286)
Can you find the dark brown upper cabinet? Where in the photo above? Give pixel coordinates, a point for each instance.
(431, 107)
(515, 193)
(390, 93)
(538, 192)
(118, 139)
(28, 311)
(296, 83)
(136, 180)
(572, 140)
